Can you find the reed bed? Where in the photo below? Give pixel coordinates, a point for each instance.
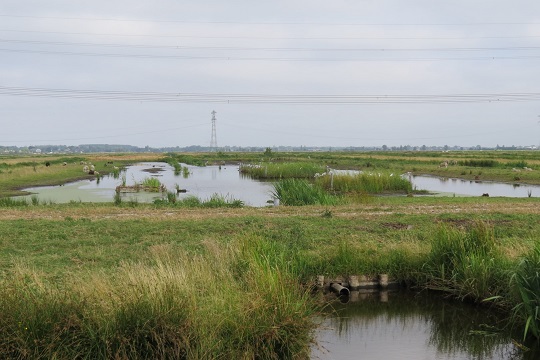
(227, 302)
(299, 192)
(526, 286)
(284, 170)
(214, 201)
(466, 263)
(371, 183)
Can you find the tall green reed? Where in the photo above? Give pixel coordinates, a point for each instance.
(526, 285)
(282, 170)
(371, 183)
(466, 263)
(298, 192)
(171, 305)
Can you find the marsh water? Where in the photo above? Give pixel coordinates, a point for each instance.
(202, 182)
(410, 326)
(460, 187)
(226, 180)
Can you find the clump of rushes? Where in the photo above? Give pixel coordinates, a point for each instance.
(298, 192)
(254, 307)
(9, 202)
(466, 263)
(282, 170)
(185, 172)
(526, 285)
(152, 184)
(117, 199)
(171, 197)
(371, 183)
(215, 201)
(175, 164)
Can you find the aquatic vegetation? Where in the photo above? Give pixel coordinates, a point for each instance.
(9, 202)
(284, 170)
(466, 263)
(526, 285)
(215, 201)
(366, 182)
(171, 160)
(147, 184)
(185, 172)
(151, 182)
(299, 192)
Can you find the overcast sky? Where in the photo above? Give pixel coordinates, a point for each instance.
(296, 72)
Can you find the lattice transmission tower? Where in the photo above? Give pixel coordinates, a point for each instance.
(213, 140)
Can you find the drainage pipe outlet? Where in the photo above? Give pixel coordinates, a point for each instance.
(341, 290)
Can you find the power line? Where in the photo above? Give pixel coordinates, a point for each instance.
(237, 98)
(289, 59)
(267, 22)
(277, 37)
(280, 49)
(123, 134)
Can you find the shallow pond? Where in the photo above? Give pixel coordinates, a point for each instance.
(460, 187)
(226, 180)
(202, 182)
(404, 325)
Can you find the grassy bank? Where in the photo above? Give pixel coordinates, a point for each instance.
(19, 172)
(162, 282)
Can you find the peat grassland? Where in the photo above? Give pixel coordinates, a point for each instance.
(164, 281)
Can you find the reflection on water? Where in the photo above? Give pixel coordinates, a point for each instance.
(451, 186)
(202, 182)
(404, 325)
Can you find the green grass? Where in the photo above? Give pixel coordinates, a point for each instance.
(100, 284)
(526, 285)
(298, 192)
(151, 182)
(214, 201)
(286, 170)
(466, 263)
(250, 309)
(367, 182)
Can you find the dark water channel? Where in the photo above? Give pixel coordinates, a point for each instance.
(404, 325)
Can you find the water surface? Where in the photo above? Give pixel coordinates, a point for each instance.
(202, 182)
(408, 326)
(451, 186)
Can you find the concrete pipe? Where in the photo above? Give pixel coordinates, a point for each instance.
(341, 290)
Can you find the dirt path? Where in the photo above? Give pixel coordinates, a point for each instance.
(91, 212)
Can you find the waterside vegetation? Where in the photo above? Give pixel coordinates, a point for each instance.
(98, 280)
(180, 279)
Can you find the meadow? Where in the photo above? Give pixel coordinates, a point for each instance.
(163, 280)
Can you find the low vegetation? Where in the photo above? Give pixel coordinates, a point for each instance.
(366, 182)
(180, 279)
(230, 301)
(298, 192)
(214, 201)
(282, 170)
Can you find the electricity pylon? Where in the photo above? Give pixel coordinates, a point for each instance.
(213, 140)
